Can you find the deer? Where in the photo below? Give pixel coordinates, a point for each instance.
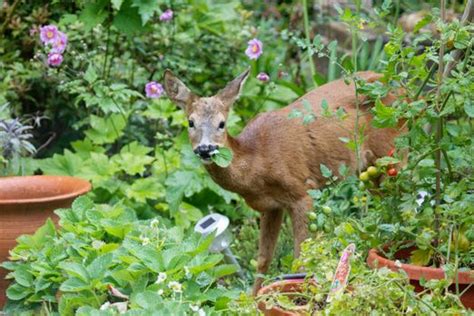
(276, 160)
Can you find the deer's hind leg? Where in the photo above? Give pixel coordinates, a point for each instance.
(270, 224)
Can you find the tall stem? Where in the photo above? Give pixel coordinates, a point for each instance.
(439, 131)
(308, 40)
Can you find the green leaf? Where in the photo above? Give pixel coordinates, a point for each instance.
(146, 9)
(422, 23)
(74, 285)
(143, 189)
(76, 270)
(128, 20)
(385, 161)
(469, 108)
(223, 270)
(106, 130)
(94, 13)
(99, 266)
(23, 276)
(17, 292)
(384, 116)
(116, 4)
(91, 75)
(325, 171)
(223, 157)
(421, 257)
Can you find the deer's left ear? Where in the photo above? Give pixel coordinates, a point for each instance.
(231, 92)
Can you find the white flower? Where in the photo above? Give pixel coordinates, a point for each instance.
(175, 286)
(160, 292)
(398, 264)
(161, 277)
(145, 240)
(196, 309)
(97, 244)
(154, 223)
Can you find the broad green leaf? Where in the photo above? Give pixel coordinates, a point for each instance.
(105, 130)
(421, 257)
(325, 171)
(76, 270)
(99, 266)
(223, 157)
(74, 285)
(94, 13)
(17, 292)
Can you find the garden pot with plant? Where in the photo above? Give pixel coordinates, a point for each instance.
(432, 228)
(288, 297)
(25, 204)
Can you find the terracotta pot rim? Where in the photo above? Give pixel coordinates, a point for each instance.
(415, 272)
(277, 284)
(84, 186)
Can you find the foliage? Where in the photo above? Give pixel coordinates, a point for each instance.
(101, 249)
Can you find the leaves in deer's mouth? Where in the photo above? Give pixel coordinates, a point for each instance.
(223, 157)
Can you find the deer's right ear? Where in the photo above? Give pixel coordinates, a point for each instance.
(177, 90)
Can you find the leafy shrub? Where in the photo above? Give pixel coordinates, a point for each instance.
(101, 251)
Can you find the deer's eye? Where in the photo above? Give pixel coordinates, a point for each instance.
(191, 124)
(222, 125)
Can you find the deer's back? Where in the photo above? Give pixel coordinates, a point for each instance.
(287, 154)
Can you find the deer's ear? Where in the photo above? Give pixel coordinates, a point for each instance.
(177, 90)
(231, 92)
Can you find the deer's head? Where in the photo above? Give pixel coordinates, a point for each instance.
(207, 116)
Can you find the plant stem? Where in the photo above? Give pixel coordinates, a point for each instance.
(439, 131)
(308, 40)
(107, 45)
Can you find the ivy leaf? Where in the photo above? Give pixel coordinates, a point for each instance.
(223, 157)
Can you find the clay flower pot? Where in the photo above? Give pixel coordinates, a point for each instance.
(285, 286)
(25, 204)
(415, 273)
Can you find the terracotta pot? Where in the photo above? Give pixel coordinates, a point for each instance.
(26, 203)
(415, 273)
(285, 286)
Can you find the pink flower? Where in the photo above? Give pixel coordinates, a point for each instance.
(153, 90)
(263, 77)
(59, 45)
(48, 34)
(255, 49)
(166, 16)
(55, 59)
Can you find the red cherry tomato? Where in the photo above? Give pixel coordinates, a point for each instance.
(392, 172)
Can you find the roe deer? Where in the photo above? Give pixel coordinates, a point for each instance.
(277, 159)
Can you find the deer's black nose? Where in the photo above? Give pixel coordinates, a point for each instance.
(205, 150)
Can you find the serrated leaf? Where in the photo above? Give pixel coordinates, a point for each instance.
(76, 270)
(223, 157)
(325, 171)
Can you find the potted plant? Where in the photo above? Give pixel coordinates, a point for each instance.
(427, 209)
(27, 201)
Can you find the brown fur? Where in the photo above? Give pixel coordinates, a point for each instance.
(277, 159)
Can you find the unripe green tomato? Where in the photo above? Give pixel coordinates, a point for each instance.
(364, 176)
(373, 171)
(326, 209)
(312, 216)
(313, 227)
(461, 240)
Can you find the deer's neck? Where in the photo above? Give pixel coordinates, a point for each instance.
(236, 177)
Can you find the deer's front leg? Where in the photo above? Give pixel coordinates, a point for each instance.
(270, 223)
(299, 222)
